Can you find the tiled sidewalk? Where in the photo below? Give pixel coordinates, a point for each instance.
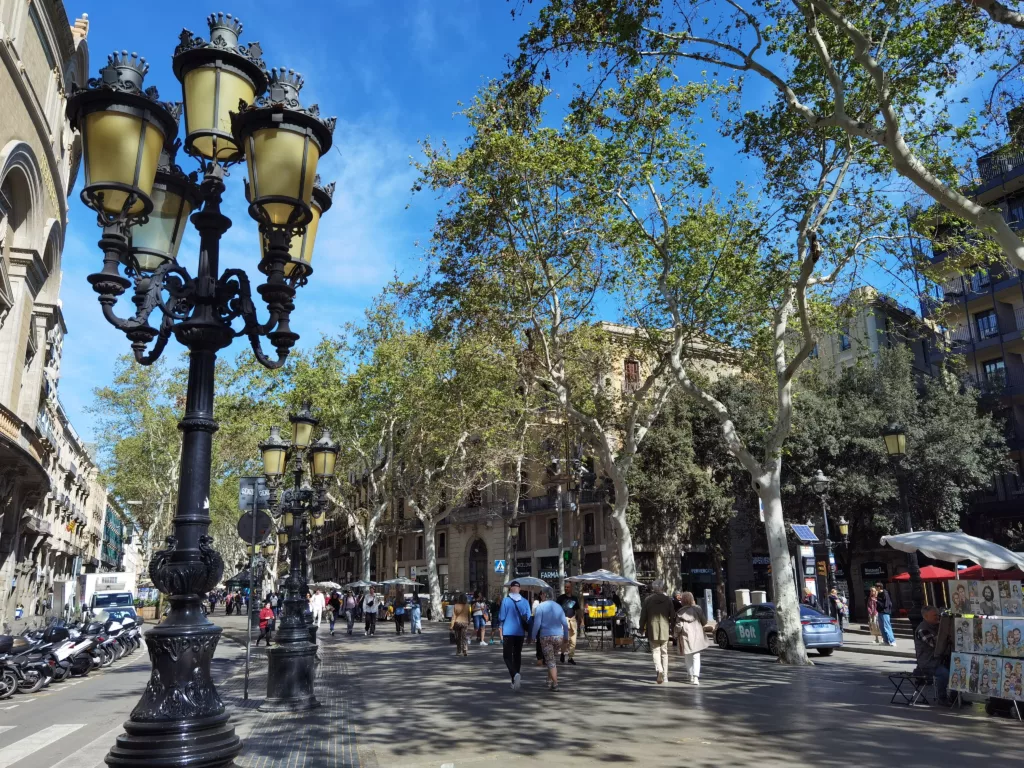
(323, 737)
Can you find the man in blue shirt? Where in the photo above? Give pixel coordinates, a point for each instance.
(513, 614)
(552, 627)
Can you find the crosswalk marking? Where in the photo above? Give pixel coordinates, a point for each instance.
(92, 754)
(19, 750)
(7, 728)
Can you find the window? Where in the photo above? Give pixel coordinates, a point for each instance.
(33, 14)
(553, 532)
(398, 549)
(632, 371)
(522, 539)
(419, 547)
(442, 545)
(987, 324)
(589, 529)
(401, 509)
(995, 372)
(844, 341)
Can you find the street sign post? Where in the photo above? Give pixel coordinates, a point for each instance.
(499, 566)
(249, 485)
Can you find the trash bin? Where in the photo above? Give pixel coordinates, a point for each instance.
(758, 596)
(742, 598)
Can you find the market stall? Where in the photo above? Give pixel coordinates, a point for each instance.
(601, 613)
(987, 616)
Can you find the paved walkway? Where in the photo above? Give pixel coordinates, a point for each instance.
(408, 702)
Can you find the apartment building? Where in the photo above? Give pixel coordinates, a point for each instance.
(46, 474)
(876, 321)
(983, 316)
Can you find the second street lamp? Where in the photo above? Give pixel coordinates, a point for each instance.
(301, 511)
(895, 438)
(821, 484)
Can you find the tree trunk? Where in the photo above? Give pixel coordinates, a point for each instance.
(787, 604)
(670, 553)
(723, 603)
(630, 596)
(430, 546)
(366, 547)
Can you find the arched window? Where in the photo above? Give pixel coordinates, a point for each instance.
(398, 550)
(442, 545)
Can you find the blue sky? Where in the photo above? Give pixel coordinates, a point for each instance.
(393, 74)
(392, 78)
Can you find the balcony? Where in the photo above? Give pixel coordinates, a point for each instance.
(589, 538)
(552, 541)
(1005, 381)
(1000, 164)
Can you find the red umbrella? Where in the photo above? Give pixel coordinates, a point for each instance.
(928, 573)
(977, 572)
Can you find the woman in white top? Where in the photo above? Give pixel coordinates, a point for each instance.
(480, 618)
(370, 605)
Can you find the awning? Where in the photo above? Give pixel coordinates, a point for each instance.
(928, 573)
(955, 547)
(240, 580)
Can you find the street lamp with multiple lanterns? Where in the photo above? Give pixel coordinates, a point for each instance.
(895, 438)
(300, 510)
(235, 111)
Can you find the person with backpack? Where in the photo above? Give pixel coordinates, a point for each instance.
(333, 610)
(884, 606)
(513, 624)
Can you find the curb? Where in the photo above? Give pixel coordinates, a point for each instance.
(877, 652)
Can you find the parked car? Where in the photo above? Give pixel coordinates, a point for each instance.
(754, 626)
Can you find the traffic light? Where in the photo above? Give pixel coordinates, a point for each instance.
(567, 556)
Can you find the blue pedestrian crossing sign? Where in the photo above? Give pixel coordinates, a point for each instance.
(499, 566)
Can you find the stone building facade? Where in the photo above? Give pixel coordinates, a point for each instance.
(44, 470)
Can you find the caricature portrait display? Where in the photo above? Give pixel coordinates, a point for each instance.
(959, 671)
(958, 601)
(992, 637)
(963, 635)
(989, 605)
(1013, 629)
(1013, 603)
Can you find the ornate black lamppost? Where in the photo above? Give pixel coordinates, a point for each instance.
(299, 510)
(142, 200)
(895, 438)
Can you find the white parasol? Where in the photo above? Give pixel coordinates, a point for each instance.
(601, 576)
(530, 582)
(955, 547)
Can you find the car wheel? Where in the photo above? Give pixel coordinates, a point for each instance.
(825, 651)
(773, 644)
(722, 638)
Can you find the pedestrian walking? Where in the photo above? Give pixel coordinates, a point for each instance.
(317, 605)
(415, 616)
(399, 614)
(837, 607)
(333, 610)
(656, 619)
(479, 617)
(884, 606)
(872, 605)
(370, 605)
(266, 621)
(513, 621)
(273, 603)
(349, 606)
(570, 607)
(690, 621)
(493, 609)
(461, 619)
(551, 628)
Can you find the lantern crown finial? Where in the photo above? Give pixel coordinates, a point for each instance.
(285, 85)
(125, 72)
(224, 29)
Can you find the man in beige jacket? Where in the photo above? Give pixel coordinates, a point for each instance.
(656, 619)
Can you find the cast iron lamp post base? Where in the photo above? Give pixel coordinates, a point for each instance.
(291, 664)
